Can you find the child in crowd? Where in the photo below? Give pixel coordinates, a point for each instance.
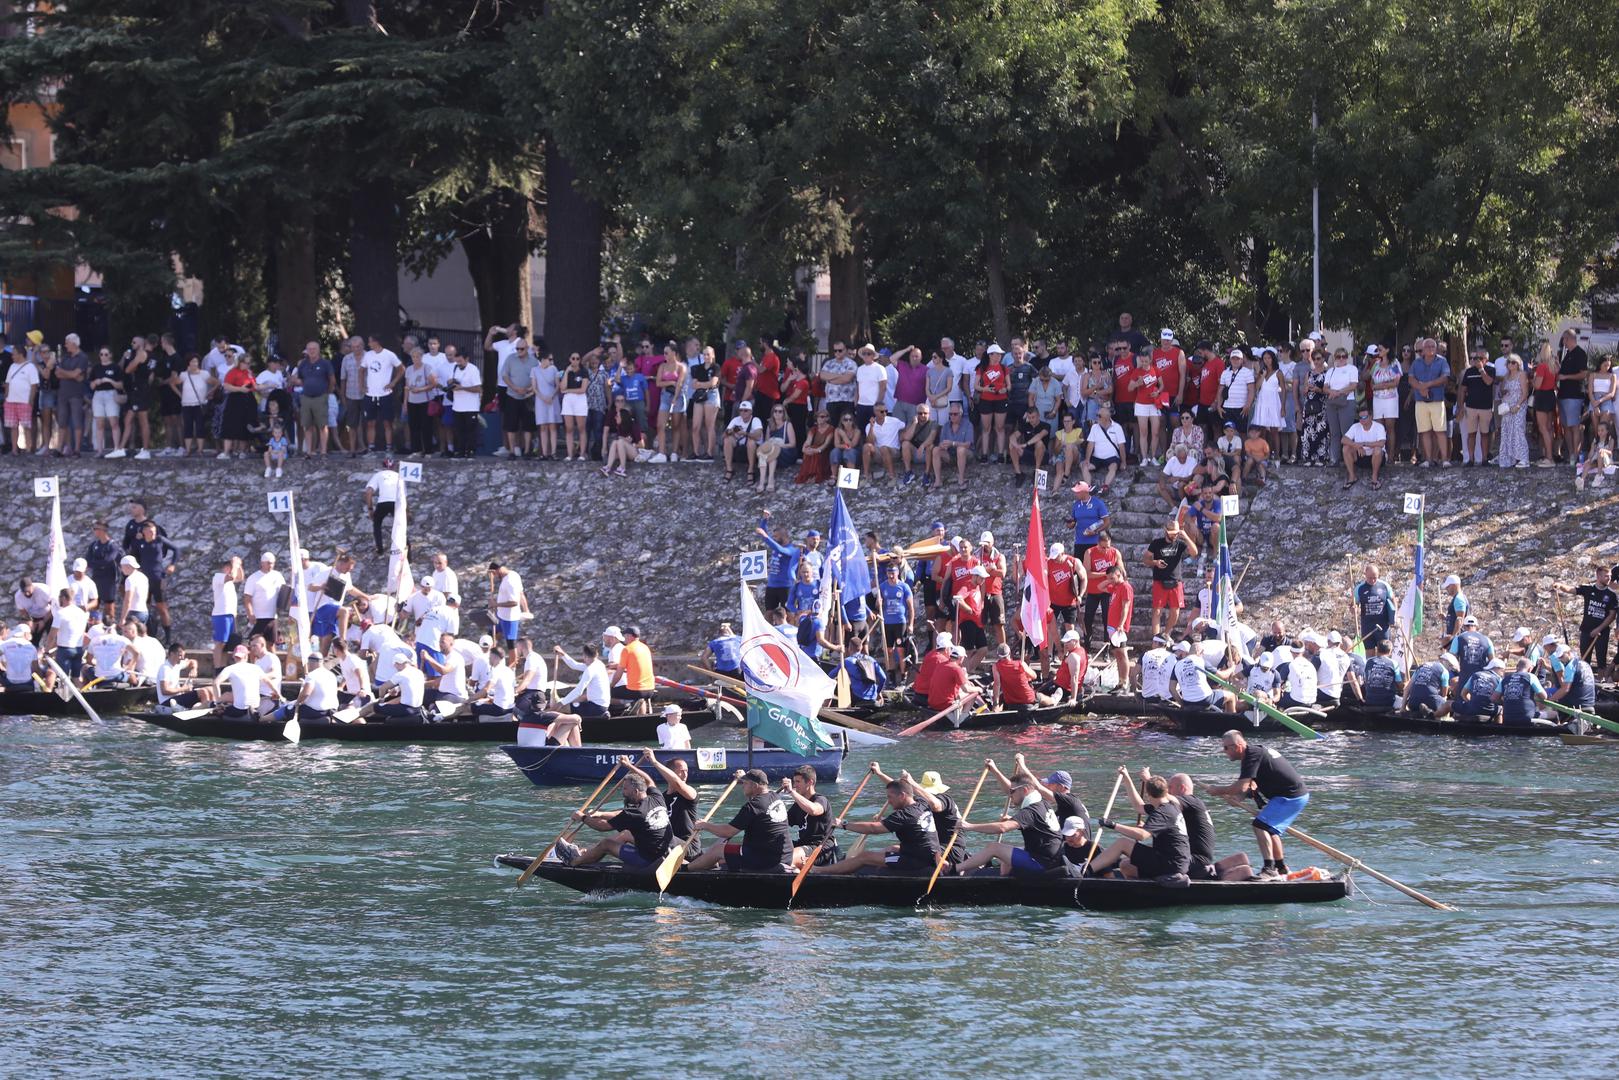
(1257, 450)
(275, 448)
(1598, 464)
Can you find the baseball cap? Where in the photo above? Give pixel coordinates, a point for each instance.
(303, 553)
(1237, 353)
(932, 784)
(756, 776)
(986, 537)
(1051, 552)
(612, 631)
(80, 564)
(957, 650)
(1159, 639)
(671, 708)
(1071, 635)
(23, 630)
(1520, 633)
(748, 405)
(632, 631)
(1371, 350)
(1452, 579)
(427, 579)
(1166, 334)
(994, 350)
(1267, 660)
(1283, 654)
(1182, 647)
(267, 556)
(809, 533)
(937, 526)
(1081, 488)
(485, 641)
(944, 641)
(1073, 825)
(1496, 665)
(1316, 335)
(1549, 640)
(128, 560)
(979, 571)
(1231, 425)
(1060, 777)
(1449, 661)
(1565, 650)
(1334, 638)
(1471, 620)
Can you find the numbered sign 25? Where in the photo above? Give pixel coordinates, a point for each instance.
(280, 502)
(410, 472)
(45, 486)
(754, 565)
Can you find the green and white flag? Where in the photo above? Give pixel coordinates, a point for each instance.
(785, 687)
(780, 726)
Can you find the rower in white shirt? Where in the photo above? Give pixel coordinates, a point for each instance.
(500, 695)
(21, 658)
(175, 682)
(249, 687)
(354, 672)
(403, 692)
(673, 734)
(318, 700)
(447, 676)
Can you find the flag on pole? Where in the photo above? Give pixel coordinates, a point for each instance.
(300, 587)
(844, 566)
(1036, 587)
(1409, 617)
(56, 568)
(785, 688)
(1225, 605)
(400, 583)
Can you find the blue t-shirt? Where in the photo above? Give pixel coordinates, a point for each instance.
(1428, 685)
(1087, 512)
(316, 378)
(1376, 603)
(896, 600)
(1427, 370)
(801, 597)
(809, 636)
(1518, 693)
(727, 653)
(1582, 686)
(1482, 685)
(861, 689)
(1456, 609)
(854, 610)
(782, 563)
(1472, 651)
(1381, 681)
(632, 384)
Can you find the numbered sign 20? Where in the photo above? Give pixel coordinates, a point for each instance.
(755, 567)
(45, 486)
(410, 472)
(1413, 502)
(280, 502)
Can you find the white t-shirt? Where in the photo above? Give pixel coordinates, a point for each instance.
(246, 681)
(1156, 665)
(20, 657)
(502, 686)
(224, 594)
(385, 482)
(592, 685)
(1261, 681)
(83, 591)
(532, 674)
(107, 652)
(675, 736)
(1176, 469)
(1301, 680)
(35, 605)
(169, 675)
(69, 623)
(744, 426)
(356, 674)
(136, 589)
(1062, 367)
(381, 641)
(1334, 665)
(509, 597)
(433, 624)
(1239, 383)
(869, 380)
(149, 656)
(1104, 450)
(477, 662)
(446, 582)
(440, 365)
(1362, 435)
(1342, 378)
(270, 664)
(468, 395)
(20, 382)
(322, 686)
(960, 365)
(261, 588)
(379, 367)
(886, 434)
(411, 686)
(1192, 679)
(502, 350)
(454, 679)
(420, 603)
(270, 380)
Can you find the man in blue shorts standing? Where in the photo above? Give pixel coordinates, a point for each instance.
(1278, 789)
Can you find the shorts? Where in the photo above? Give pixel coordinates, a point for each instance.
(635, 695)
(994, 610)
(1024, 863)
(224, 627)
(589, 710)
(1385, 410)
(352, 413)
(1124, 412)
(1145, 409)
(516, 415)
(1279, 813)
(775, 596)
(138, 401)
(737, 859)
(990, 407)
(168, 402)
(671, 401)
(1430, 417)
(312, 412)
(47, 399)
(1168, 596)
(423, 654)
(575, 405)
(506, 629)
(21, 414)
(1063, 614)
(632, 858)
(139, 616)
(1476, 421)
(324, 622)
(1570, 410)
(900, 866)
(972, 637)
(1545, 400)
(103, 405)
(380, 408)
(894, 633)
(265, 628)
(1149, 863)
(156, 595)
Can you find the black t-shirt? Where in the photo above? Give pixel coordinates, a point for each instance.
(1476, 393)
(105, 369)
(1199, 828)
(648, 825)
(766, 840)
(682, 815)
(812, 831)
(1070, 805)
(573, 380)
(136, 381)
(1599, 604)
(1572, 361)
(1018, 378)
(946, 819)
(1271, 772)
(1170, 552)
(1042, 836)
(913, 826)
(1027, 431)
(1169, 838)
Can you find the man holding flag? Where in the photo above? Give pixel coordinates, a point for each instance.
(845, 566)
(1408, 620)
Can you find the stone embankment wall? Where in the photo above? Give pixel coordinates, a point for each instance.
(659, 547)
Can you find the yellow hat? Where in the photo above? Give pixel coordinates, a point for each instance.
(36, 337)
(932, 784)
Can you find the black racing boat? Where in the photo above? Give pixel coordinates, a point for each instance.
(111, 701)
(738, 889)
(1347, 717)
(1011, 717)
(613, 729)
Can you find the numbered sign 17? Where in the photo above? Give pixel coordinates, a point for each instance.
(1229, 506)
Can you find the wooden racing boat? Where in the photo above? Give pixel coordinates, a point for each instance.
(109, 701)
(750, 890)
(1011, 717)
(549, 765)
(1587, 740)
(1353, 717)
(624, 728)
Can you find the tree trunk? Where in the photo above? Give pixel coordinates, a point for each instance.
(850, 318)
(498, 259)
(295, 281)
(374, 261)
(573, 260)
(995, 272)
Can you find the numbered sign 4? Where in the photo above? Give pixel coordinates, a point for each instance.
(1413, 503)
(280, 502)
(410, 472)
(755, 567)
(45, 486)
(848, 478)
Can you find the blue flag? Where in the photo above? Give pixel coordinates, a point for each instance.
(845, 565)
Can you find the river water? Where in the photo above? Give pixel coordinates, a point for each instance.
(198, 907)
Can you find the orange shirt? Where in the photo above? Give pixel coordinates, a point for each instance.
(637, 661)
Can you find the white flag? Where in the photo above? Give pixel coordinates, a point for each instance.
(399, 579)
(300, 587)
(775, 668)
(56, 568)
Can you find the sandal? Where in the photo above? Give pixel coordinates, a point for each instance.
(1348, 484)
(606, 471)
(1376, 484)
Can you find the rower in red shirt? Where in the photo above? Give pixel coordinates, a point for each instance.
(1099, 559)
(955, 575)
(950, 682)
(1069, 683)
(939, 654)
(970, 618)
(1013, 686)
(1121, 604)
(993, 560)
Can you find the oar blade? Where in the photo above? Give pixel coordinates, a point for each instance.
(292, 731)
(670, 865)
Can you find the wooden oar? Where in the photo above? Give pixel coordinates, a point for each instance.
(1298, 727)
(1096, 841)
(816, 854)
(74, 690)
(1590, 718)
(860, 844)
(936, 717)
(570, 830)
(965, 814)
(673, 861)
(1353, 863)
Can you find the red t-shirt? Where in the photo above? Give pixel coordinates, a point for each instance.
(1060, 581)
(1166, 362)
(728, 371)
(949, 679)
(992, 381)
(767, 381)
(239, 377)
(1015, 688)
(1123, 391)
(958, 574)
(1121, 604)
(1545, 377)
(1097, 564)
(1208, 387)
(1142, 386)
(1066, 680)
(924, 671)
(970, 607)
(997, 573)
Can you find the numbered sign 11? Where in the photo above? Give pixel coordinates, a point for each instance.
(280, 502)
(755, 567)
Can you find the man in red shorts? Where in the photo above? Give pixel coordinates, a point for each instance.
(993, 560)
(1163, 557)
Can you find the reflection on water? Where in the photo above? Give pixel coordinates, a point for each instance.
(166, 897)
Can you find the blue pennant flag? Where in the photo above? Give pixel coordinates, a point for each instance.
(845, 564)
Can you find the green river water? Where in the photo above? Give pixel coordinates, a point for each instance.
(181, 907)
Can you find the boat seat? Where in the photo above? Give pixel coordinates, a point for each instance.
(1234, 868)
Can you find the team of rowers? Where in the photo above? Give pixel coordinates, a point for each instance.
(1172, 839)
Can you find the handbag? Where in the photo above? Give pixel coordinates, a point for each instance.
(435, 408)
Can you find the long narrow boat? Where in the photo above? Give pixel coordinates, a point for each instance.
(1011, 718)
(1588, 740)
(112, 701)
(549, 765)
(1186, 721)
(623, 728)
(749, 890)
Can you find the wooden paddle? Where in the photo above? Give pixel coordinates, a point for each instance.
(936, 717)
(1096, 841)
(1298, 727)
(816, 854)
(1590, 718)
(673, 861)
(74, 690)
(965, 814)
(572, 828)
(1354, 863)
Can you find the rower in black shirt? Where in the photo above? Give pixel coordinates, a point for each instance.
(1158, 847)
(640, 834)
(930, 792)
(912, 824)
(679, 796)
(1199, 826)
(811, 814)
(1042, 834)
(767, 842)
(1057, 789)
(1278, 789)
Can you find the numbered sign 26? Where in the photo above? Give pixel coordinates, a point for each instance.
(1040, 480)
(280, 502)
(410, 472)
(755, 567)
(45, 486)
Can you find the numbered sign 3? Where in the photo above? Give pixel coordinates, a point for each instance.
(848, 478)
(45, 486)
(410, 472)
(755, 567)
(1413, 503)
(280, 502)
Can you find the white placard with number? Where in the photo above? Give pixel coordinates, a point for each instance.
(410, 472)
(755, 565)
(711, 758)
(1229, 506)
(1413, 503)
(848, 478)
(280, 502)
(1040, 480)
(45, 486)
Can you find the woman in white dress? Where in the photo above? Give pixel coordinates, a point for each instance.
(1268, 402)
(547, 405)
